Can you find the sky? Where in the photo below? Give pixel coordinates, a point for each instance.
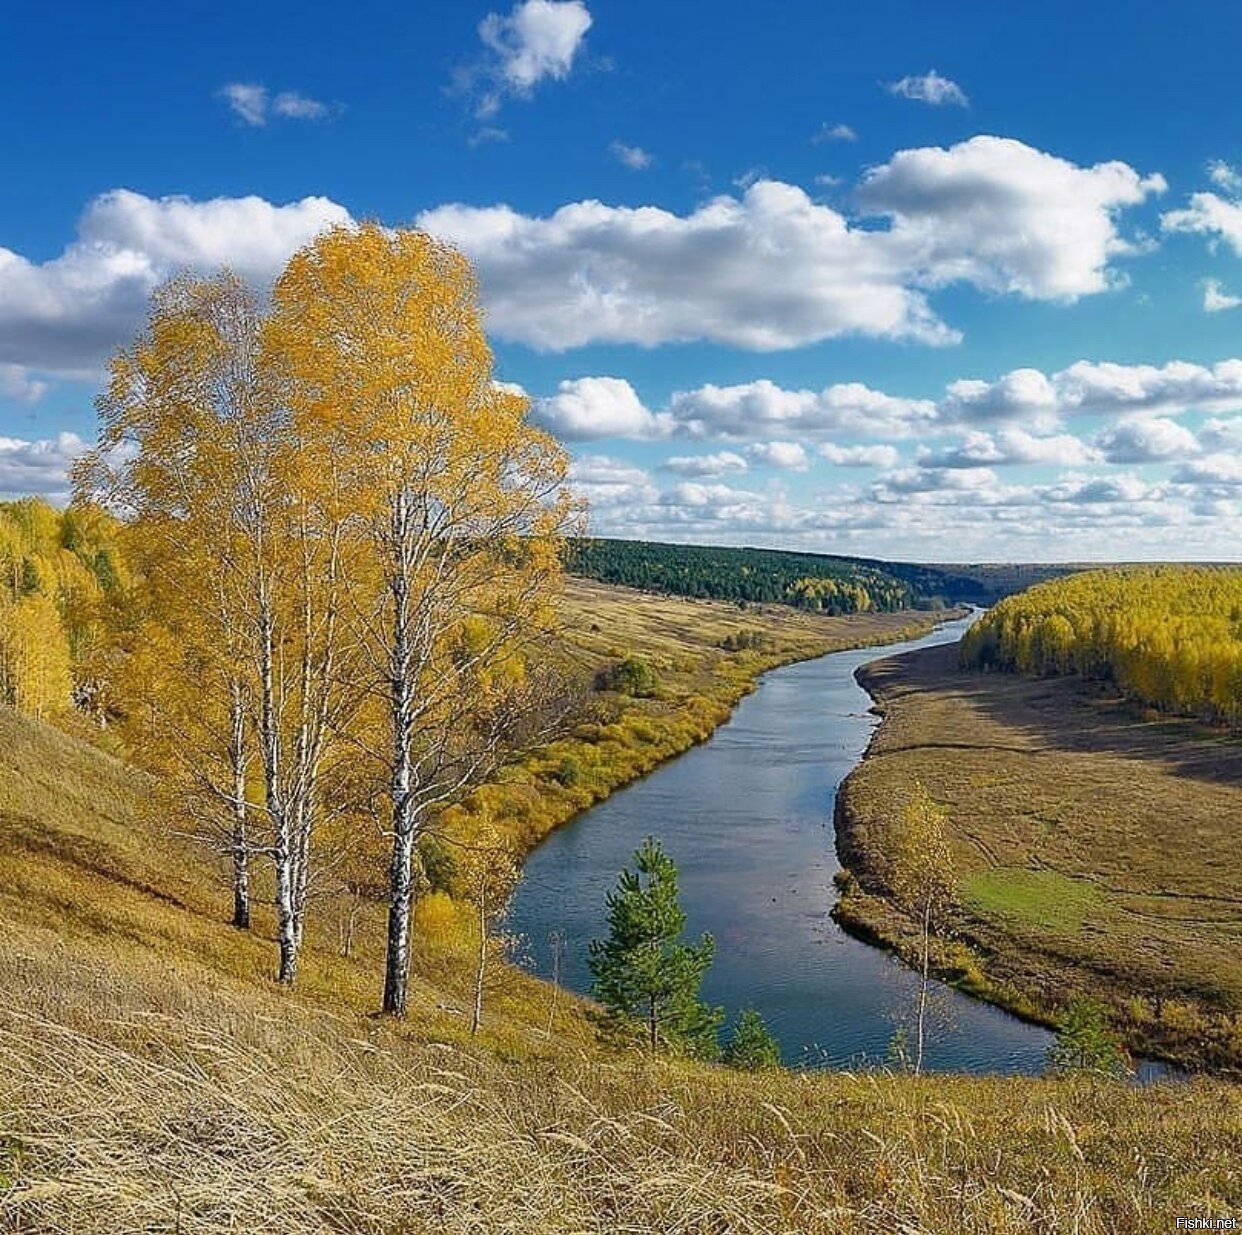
(927, 281)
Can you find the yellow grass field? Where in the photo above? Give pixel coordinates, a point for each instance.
(153, 1078)
(1096, 851)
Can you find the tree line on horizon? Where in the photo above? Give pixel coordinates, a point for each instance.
(1168, 637)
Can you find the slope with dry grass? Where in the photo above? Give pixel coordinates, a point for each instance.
(154, 1078)
(1096, 851)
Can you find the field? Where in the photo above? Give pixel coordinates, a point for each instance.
(153, 1078)
(1095, 850)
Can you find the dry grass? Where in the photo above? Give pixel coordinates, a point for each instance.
(143, 1096)
(1096, 850)
(154, 1079)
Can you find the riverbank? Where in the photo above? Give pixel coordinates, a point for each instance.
(1095, 851)
(686, 644)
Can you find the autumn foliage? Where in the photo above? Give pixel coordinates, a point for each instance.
(1168, 637)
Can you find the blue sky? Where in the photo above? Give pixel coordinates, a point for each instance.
(905, 280)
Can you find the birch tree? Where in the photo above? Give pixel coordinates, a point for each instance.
(241, 568)
(460, 509)
(922, 881)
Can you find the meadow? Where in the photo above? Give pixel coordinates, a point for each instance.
(155, 1078)
(1095, 847)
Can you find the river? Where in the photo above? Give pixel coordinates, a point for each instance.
(747, 816)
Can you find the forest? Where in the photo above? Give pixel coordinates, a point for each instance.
(815, 581)
(755, 576)
(1168, 637)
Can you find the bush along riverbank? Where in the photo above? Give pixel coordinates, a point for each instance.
(1068, 878)
(693, 662)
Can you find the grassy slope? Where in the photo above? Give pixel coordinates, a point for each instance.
(153, 1078)
(1095, 850)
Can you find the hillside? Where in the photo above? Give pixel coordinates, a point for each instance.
(1095, 850)
(154, 1078)
(805, 580)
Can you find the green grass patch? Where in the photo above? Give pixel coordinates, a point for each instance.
(1042, 899)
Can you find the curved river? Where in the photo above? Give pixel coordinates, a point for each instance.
(747, 816)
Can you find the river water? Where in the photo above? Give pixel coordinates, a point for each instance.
(747, 816)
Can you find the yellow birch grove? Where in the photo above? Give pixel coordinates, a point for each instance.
(458, 509)
(348, 540)
(1169, 637)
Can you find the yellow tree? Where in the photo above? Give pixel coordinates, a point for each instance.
(486, 873)
(459, 509)
(241, 580)
(921, 877)
(35, 673)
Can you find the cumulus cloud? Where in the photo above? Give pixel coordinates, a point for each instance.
(1146, 440)
(65, 315)
(1210, 215)
(763, 409)
(1216, 299)
(788, 456)
(931, 88)
(769, 270)
(250, 103)
(1006, 217)
(607, 482)
(859, 456)
(588, 408)
(537, 40)
(1011, 446)
(634, 157)
(1093, 388)
(722, 463)
(38, 467)
(773, 269)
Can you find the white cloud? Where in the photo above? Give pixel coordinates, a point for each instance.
(834, 133)
(1005, 217)
(769, 270)
(859, 456)
(773, 269)
(295, 106)
(587, 408)
(1225, 175)
(1093, 388)
(249, 102)
(1011, 446)
(65, 315)
(633, 157)
(538, 40)
(1213, 471)
(931, 88)
(607, 482)
(788, 456)
(762, 409)
(1146, 440)
(1216, 299)
(38, 467)
(1222, 434)
(721, 463)
(1210, 215)
(1094, 490)
(17, 383)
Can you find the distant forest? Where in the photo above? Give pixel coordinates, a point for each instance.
(816, 581)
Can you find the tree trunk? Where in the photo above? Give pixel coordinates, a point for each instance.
(400, 871)
(241, 883)
(481, 968)
(400, 905)
(286, 919)
(240, 840)
(918, 1055)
